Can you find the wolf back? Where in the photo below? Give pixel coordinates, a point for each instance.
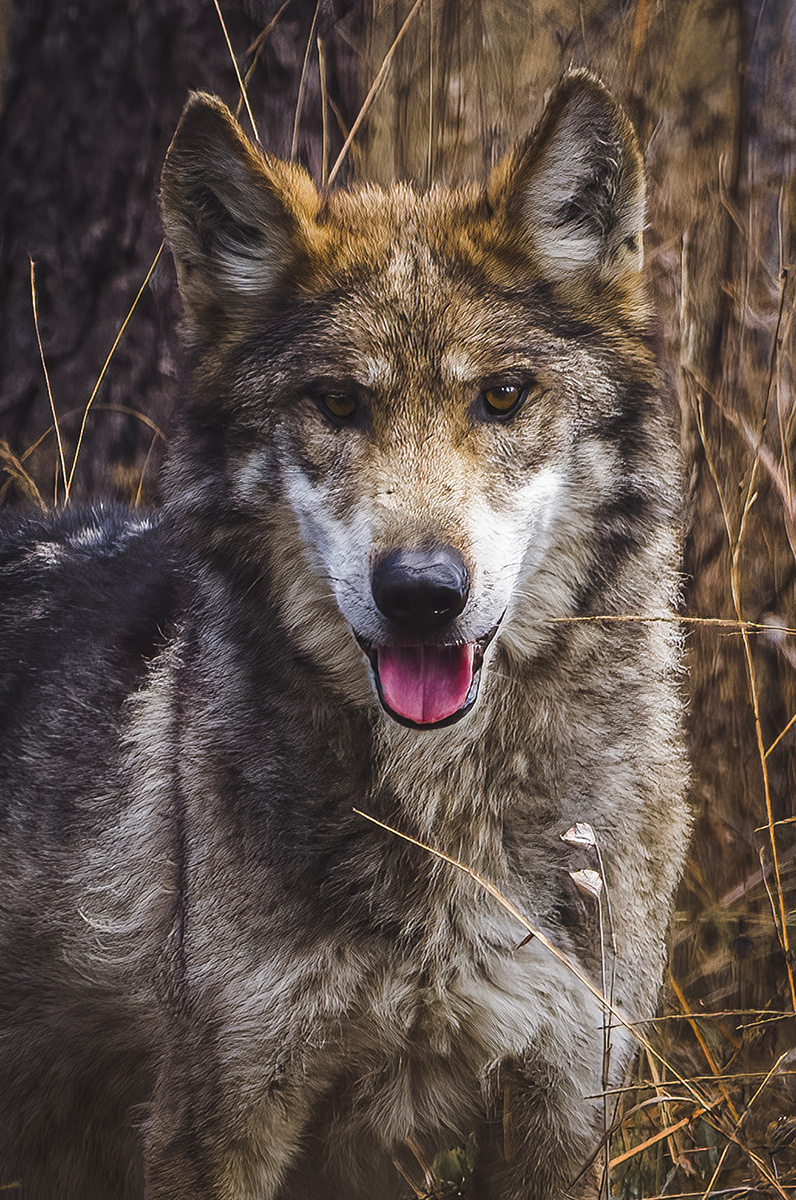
(425, 452)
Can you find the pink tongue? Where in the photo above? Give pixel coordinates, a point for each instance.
(426, 684)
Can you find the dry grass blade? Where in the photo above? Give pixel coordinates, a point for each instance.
(375, 88)
(739, 1121)
(133, 412)
(603, 898)
(56, 426)
(4, 490)
(781, 922)
(241, 84)
(780, 477)
(754, 880)
(256, 50)
(735, 543)
(777, 741)
(656, 1137)
(732, 626)
(73, 412)
(728, 1012)
(696, 1096)
(140, 489)
(302, 91)
(735, 1192)
(430, 150)
(674, 1149)
(15, 469)
(638, 38)
(324, 114)
(406, 1179)
(704, 1047)
(106, 364)
(635, 1087)
(776, 346)
(338, 116)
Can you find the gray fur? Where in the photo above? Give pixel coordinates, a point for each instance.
(219, 980)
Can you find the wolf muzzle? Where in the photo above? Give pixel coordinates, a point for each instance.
(423, 680)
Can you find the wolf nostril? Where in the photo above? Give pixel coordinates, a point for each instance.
(421, 590)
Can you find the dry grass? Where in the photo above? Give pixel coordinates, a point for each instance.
(710, 1110)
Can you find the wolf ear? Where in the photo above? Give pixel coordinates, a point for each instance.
(575, 189)
(237, 220)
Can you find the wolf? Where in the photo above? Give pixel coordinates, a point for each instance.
(426, 471)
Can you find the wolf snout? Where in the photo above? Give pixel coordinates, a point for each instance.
(421, 591)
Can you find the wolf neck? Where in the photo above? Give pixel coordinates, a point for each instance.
(450, 787)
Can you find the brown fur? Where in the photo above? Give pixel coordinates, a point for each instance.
(302, 996)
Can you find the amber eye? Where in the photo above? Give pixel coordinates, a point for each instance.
(503, 400)
(339, 405)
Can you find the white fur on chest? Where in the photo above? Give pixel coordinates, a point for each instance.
(440, 1036)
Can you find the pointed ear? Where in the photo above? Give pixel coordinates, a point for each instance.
(238, 222)
(575, 189)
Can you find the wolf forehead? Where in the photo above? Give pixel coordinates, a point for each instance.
(557, 226)
(374, 268)
(271, 219)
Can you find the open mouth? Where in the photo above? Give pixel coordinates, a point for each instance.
(427, 686)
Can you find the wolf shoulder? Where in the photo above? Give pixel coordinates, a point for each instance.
(87, 601)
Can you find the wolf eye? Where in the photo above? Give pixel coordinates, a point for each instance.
(339, 405)
(503, 400)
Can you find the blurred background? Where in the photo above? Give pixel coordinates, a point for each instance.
(435, 91)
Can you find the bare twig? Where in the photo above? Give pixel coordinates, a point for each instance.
(375, 88)
(106, 364)
(303, 84)
(241, 83)
(56, 426)
(324, 114)
(256, 50)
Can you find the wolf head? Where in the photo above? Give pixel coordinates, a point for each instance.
(424, 416)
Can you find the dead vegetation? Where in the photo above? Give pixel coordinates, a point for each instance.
(443, 87)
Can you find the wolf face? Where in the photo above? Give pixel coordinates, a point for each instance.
(435, 381)
(435, 474)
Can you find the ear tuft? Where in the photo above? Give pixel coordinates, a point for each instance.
(575, 188)
(237, 220)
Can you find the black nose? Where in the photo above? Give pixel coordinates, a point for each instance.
(421, 590)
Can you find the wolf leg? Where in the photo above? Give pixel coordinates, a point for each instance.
(542, 1134)
(208, 1146)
